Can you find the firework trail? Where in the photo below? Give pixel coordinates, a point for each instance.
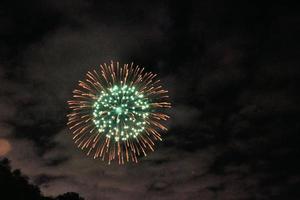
(116, 112)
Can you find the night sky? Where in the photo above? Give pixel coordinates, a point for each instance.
(232, 70)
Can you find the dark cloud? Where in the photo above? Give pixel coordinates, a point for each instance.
(231, 70)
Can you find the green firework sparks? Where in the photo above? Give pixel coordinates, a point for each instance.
(116, 112)
(120, 112)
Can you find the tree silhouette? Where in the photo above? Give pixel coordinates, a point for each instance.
(14, 185)
(68, 196)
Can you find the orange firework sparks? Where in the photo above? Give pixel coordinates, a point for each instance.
(116, 112)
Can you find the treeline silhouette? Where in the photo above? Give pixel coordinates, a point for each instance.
(15, 186)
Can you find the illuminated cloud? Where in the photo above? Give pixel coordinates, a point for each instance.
(5, 147)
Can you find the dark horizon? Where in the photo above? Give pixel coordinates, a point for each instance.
(232, 72)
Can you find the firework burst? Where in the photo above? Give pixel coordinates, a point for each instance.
(116, 112)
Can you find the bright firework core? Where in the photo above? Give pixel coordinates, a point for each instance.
(121, 112)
